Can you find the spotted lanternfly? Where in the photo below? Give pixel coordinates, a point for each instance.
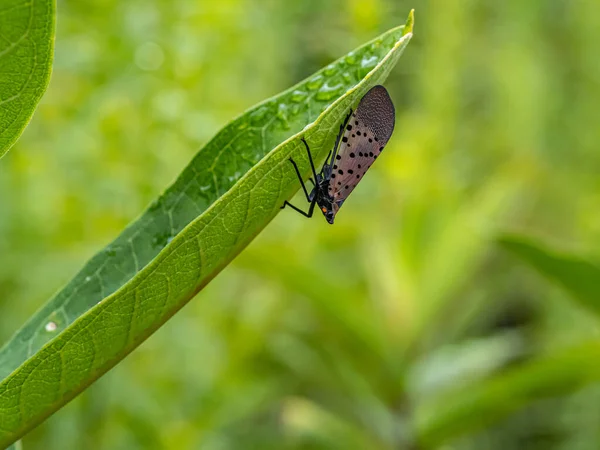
(361, 139)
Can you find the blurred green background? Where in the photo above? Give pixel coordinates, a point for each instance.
(317, 336)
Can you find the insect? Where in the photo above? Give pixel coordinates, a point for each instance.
(362, 137)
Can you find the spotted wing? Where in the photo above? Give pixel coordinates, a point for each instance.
(367, 131)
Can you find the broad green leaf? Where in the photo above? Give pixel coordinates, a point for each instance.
(477, 405)
(26, 48)
(221, 201)
(579, 277)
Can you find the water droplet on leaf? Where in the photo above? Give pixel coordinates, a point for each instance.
(315, 83)
(329, 70)
(236, 176)
(258, 115)
(298, 96)
(328, 92)
(350, 58)
(160, 240)
(50, 327)
(369, 61)
(282, 115)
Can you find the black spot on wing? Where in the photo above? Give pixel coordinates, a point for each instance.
(364, 137)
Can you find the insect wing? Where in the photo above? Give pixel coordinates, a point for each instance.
(367, 131)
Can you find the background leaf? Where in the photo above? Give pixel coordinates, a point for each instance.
(221, 201)
(578, 276)
(26, 48)
(478, 405)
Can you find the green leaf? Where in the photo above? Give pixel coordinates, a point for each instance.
(221, 201)
(473, 407)
(26, 49)
(579, 277)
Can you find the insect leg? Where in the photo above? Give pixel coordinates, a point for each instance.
(312, 164)
(305, 214)
(300, 178)
(339, 136)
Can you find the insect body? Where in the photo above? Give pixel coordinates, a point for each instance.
(361, 139)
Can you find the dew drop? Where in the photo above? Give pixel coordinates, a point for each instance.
(161, 240)
(50, 327)
(328, 92)
(347, 77)
(350, 58)
(243, 125)
(282, 115)
(329, 70)
(259, 114)
(369, 61)
(233, 178)
(110, 252)
(295, 109)
(298, 96)
(87, 279)
(315, 83)
(169, 239)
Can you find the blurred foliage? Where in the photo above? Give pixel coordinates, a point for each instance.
(575, 274)
(320, 336)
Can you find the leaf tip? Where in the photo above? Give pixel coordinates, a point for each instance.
(408, 26)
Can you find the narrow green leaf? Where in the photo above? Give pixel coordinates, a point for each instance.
(26, 48)
(579, 277)
(221, 201)
(473, 407)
